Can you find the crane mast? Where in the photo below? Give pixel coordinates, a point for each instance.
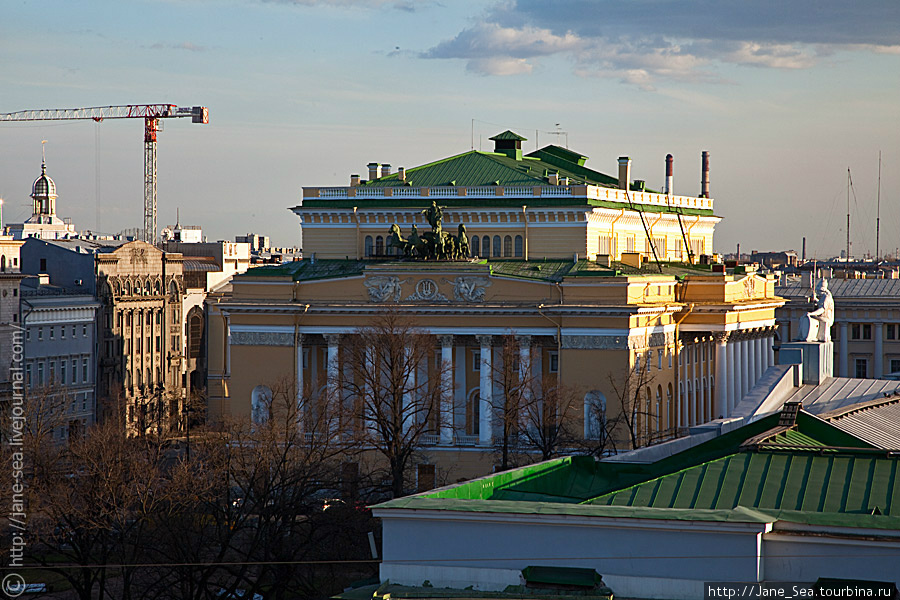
(151, 113)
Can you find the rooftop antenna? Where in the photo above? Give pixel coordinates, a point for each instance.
(849, 183)
(878, 213)
(558, 133)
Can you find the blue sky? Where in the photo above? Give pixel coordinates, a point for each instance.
(785, 96)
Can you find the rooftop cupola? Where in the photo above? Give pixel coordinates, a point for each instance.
(43, 192)
(508, 143)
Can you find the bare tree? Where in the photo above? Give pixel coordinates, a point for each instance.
(393, 390)
(549, 414)
(633, 391)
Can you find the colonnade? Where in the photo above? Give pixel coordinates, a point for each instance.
(716, 371)
(453, 384)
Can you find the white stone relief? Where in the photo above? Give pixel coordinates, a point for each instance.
(427, 291)
(469, 289)
(384, 288)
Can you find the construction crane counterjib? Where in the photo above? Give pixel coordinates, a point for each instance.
(198, 114)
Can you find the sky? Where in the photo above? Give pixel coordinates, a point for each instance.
(785, 95)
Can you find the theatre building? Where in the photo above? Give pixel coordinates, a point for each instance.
(597, 281)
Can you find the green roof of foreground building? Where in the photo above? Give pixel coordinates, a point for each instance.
(807, 471)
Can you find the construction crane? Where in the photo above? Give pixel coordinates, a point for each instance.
(151, 113)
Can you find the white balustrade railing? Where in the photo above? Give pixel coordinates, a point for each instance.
(549, 191)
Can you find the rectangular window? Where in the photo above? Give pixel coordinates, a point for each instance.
(28, 375)
(40, 374)
(306, 358)
(854, 331)
(73, 329)
(476, 360)
(51, 333)
(75, 371)
(28, 334)
(891, 331)
(62, 371)
(554, 362)
(84, 370)
(62, 332)
(40, 333)
(52, 371)
(83, 330)
(867, 331)
(895, 365)
(862, 368)
(158, 343)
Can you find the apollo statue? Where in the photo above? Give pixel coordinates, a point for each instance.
(816, 327)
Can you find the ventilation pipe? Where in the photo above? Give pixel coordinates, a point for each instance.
(704, 175)
(624, 172)
(374, 168)
(669, 175)
(385, 170)
(401, 173)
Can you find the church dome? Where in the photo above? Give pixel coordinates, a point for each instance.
(43, 186)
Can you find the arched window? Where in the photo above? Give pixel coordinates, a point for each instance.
(195, 333)
(594, 415)
(369, 245)
(669, 406)
(486, 246)
(476, 245)
(260, 403)
(497, 250)
(158, 287)
(127, 288)
(173, 288)
(379, 245)
(139, 381)
(473, 413)
(658, 413)
(507, 246)
(147, 288)
(3, 263)
(149, 377)
(520, 246)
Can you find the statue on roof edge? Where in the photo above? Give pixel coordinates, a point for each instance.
(436, 244)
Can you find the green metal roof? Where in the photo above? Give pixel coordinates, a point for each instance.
(308, 270)
(827, 477)
(792, 481)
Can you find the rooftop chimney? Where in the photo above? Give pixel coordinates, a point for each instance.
(624, 172)
(401, 173)
(704, 175)
(385, 170)
(354, 180)
(669, 174)
(374, 168)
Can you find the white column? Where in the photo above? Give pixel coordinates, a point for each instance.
(770, 348)
(299, 376)
(683, 403)
(368, 392)
(485, 393)
(525, 363)
(704, 368)
(227, 345)
(333, 377)
(744, 366)
(447, 392)
(732, 376)
(407, 413)
(879, 350)
(843, 347)
(761, 365)
(723, 379)
(750, 356)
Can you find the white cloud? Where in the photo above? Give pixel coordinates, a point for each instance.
(651, 40)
